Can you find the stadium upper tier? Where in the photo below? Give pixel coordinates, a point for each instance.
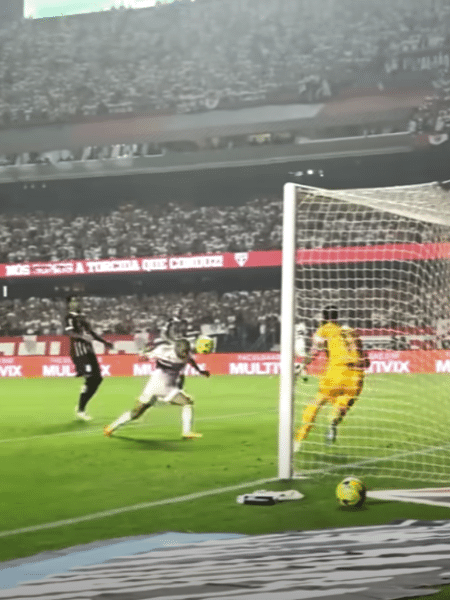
(199, 56)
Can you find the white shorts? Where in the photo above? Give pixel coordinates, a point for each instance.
(162, 384)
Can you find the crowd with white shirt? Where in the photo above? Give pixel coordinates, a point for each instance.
(153, 230)
(243, 319)
(195, 56)
(239, 320)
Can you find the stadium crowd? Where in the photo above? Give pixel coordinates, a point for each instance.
(433, 115)
(131, 231)
(195, 56)
(241, 320)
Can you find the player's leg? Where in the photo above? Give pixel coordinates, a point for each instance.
(154, 386)
(78, 363)
(180, 398)
(308, 417)
(312, 408)
(130, 415)
(352, 387)
(93, 379)
(328, 388)
(340, 407)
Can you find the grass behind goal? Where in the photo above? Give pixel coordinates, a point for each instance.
(398, 429)
(54, 468)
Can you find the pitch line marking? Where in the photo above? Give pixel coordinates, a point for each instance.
(126, 509)
(49, 435)
(378, 459)
(135, 425)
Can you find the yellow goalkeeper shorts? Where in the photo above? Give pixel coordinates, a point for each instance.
(341, 384)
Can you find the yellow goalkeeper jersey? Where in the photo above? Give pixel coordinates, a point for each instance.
(340, 344)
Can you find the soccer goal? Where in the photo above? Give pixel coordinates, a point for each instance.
(382, 256)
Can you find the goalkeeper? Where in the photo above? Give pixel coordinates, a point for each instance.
(342, 381)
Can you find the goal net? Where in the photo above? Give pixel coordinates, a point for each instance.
(382, 257)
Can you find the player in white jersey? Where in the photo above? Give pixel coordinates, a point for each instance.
(163, 385)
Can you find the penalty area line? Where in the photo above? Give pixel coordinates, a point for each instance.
(126, 509)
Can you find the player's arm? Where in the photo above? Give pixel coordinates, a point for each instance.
(148, 351)
(97, 337)
(319, 344)
(191, 361)
(301, 369)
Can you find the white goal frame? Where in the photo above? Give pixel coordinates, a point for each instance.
(431, 205)
(286, 399)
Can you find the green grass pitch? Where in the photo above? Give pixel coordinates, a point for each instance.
(55, 468)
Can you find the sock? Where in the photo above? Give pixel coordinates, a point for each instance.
(122, 420)
(83, 399)
(309, 416)
(87, 391)
(187, 419)
(337, 415)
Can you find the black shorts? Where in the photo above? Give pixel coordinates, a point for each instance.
(86, 366)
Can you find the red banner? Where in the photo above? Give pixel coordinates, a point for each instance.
(401, 362)
(226, 260)
(149, 264)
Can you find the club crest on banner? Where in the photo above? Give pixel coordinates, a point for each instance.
(241, 258)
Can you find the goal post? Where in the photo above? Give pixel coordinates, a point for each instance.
(382, 256)
(286, 403)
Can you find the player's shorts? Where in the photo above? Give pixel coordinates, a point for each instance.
(86, 366)
(341, 383)
(165, 385)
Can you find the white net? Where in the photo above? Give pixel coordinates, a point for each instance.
(381, 256)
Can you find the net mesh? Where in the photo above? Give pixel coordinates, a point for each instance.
(382, 257)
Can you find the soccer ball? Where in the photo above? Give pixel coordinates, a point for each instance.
(204, 345)
(351, 492)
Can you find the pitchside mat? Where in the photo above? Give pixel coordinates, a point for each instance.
(399, 560)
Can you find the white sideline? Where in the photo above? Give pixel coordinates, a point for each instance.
(125, 509)
(47, 435)
(135, 425)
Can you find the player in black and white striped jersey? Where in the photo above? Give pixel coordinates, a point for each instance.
(171, 358)
(82, 353)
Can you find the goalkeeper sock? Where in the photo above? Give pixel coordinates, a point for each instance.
(337, 415)
(309, 416)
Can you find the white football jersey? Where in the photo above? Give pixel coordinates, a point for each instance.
(167, 359)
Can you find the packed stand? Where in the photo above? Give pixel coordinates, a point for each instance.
(239, 320)
(131, 231)
(433, 115)
(391, 317)
(203, 55)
